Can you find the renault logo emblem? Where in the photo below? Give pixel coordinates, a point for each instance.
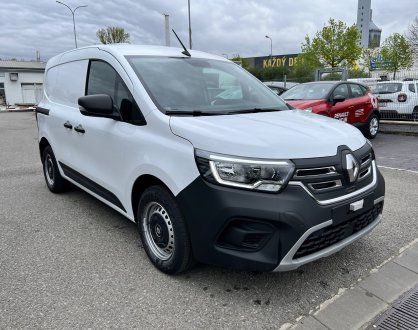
(351, 166)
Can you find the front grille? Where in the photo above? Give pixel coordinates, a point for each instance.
(329, 180)
(333, 234)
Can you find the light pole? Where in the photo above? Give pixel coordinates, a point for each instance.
(190, 27)
(271, 48)
(72, 12)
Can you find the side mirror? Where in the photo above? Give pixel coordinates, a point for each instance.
(96, 105)
(338, 98)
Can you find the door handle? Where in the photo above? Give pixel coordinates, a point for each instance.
(68, 125)
(79, 129)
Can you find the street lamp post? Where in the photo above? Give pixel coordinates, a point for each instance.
(271, 48)
(72, 12)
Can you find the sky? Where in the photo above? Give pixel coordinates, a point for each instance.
(223, 27)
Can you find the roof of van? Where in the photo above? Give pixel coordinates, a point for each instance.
(131, 50)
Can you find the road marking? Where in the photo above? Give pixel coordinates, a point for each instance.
(398, 169)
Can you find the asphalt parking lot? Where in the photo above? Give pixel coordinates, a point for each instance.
(69, 261)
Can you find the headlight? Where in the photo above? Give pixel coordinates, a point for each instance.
(253, 174)
(308, 109)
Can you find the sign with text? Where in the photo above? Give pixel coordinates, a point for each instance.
(275, 61)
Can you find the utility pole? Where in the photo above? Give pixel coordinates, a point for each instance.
(167, 29)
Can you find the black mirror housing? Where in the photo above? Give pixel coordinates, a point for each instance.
(338, 98)
(98, 104)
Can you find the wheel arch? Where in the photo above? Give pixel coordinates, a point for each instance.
(140, 185)
(376, 112)
(42, 145)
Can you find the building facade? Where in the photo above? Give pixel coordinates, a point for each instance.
(21, 82)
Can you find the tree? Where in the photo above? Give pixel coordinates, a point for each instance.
(412, 36)
(367, 56)
(112, 35)
(334, 45)
(396, 53)
(238, 58)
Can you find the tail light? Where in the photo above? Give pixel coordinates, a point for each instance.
(402, 97)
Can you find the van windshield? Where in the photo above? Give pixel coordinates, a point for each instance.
(202, 86)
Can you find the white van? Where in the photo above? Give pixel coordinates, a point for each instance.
(208, 161)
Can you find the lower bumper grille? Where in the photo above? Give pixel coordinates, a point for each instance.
(328, 236)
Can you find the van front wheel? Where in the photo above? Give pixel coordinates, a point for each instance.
(163, 231)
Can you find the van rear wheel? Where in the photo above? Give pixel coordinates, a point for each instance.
(54, 181)
(163, 231)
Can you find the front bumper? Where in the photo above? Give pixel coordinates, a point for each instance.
(219, 218)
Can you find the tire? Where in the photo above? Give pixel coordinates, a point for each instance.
(163, 231)
(372, 126)
(54, 181)
(414, 115)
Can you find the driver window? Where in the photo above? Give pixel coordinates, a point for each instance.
(103, 79)
(341, 90)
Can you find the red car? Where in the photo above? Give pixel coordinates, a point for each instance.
(347, 101)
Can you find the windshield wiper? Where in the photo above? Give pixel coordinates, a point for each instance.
(194, 113)
(254, 110)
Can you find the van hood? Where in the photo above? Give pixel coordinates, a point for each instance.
(286, 134)
(303, 104)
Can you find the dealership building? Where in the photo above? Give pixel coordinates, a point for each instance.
(21, 82)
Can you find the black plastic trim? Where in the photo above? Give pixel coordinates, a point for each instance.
(209, 208)
(92, 186)
(43, 111)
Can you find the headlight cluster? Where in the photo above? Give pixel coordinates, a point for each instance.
(253, 174)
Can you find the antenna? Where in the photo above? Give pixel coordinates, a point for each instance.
(185, 52)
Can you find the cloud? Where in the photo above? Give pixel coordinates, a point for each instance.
(218, 26)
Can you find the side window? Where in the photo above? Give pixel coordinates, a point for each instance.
(341, 90)
(356, 90)
(411, 88)
(103, 79)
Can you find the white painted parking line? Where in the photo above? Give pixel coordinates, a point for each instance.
(398, 169)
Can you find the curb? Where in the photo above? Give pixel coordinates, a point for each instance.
(399, 127)
(359, 306)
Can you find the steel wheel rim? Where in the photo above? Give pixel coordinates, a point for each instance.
(49, 170)
(374, 126)
(162, 251)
